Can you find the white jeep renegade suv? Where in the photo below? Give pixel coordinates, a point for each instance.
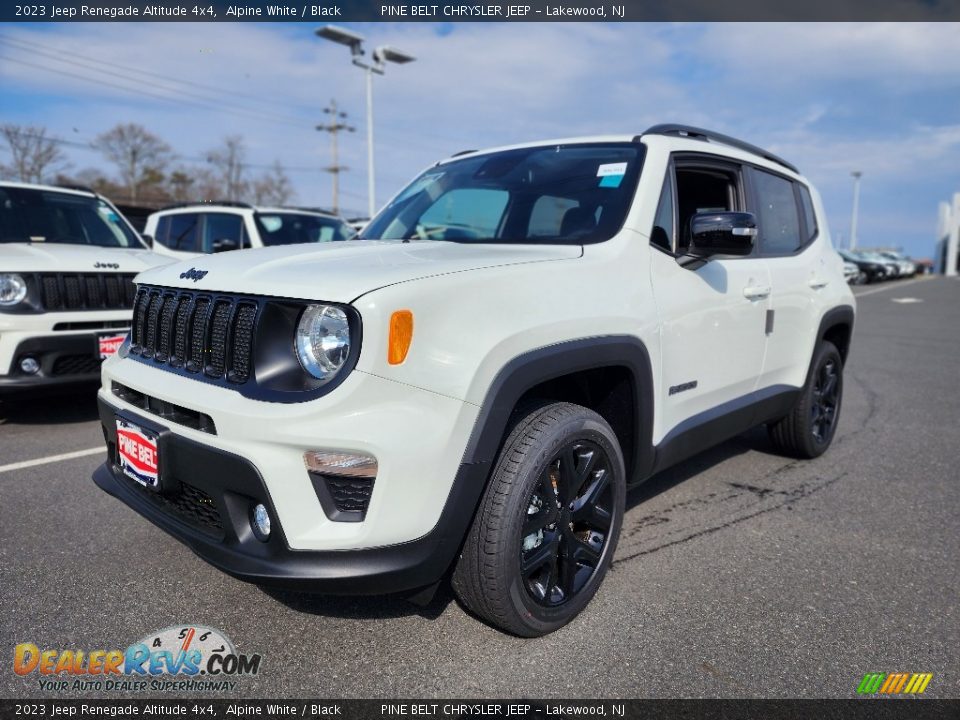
(522, 335)
(191, 230)
(67, 263)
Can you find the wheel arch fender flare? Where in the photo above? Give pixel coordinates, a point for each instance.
(540, 365)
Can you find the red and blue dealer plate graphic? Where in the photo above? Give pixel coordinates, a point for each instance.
(137, 453)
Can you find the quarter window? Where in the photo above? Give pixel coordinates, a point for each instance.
(777, 214)
(809, 216)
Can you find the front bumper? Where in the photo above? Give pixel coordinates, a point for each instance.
(68, 359)
(212, 518)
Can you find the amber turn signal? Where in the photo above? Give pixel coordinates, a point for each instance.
(401, 335)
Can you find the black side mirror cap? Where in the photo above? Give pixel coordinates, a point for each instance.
(722, 233)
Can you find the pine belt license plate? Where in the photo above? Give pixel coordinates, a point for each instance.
(109, 343)
(137, 454)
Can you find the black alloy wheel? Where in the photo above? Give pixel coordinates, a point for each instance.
(567, 524)
(823, 408)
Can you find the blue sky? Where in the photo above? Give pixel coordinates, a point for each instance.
(880, 98)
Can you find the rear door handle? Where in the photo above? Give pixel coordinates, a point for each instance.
(756, 292)
(817, 284)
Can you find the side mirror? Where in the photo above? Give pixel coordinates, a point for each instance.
(722, 233)
(148, 239)
(224, 244)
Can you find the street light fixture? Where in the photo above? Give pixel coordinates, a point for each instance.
(856, 208)
(377, 64)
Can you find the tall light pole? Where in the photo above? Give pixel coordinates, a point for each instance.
(856, 208)
(377, 64)
(334, 127)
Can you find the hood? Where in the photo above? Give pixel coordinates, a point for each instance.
(62, 257)
(343, 271)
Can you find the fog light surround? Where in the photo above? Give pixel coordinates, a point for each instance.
(341, 463)
(260, 522)
(29, 365)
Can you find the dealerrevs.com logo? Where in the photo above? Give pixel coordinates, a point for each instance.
(179, 658)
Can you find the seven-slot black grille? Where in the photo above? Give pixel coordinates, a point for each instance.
(86, 291)
(200, 332)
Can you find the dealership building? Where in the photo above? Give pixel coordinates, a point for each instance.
(947, 259)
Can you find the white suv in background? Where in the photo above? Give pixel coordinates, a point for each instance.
(193, 229)
(521, 335)
(67, 263)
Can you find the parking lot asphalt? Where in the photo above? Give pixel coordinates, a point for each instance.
(740, 573)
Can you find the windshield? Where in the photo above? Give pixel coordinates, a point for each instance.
(558, 194)
(48, 216)
(289, 228)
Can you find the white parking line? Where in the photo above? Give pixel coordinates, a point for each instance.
(52, 459)
(892, 286)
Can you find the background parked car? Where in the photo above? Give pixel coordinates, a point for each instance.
(852, 274)
(872, 270)
(904, 264)
(67, 262)
(192, 229)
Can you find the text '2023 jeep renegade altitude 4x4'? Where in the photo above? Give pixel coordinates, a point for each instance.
(524, 334)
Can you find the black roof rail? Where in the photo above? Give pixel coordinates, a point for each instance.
(462, 152)
(304, 208)
(711, 136)
(82, 188)
(196, 203)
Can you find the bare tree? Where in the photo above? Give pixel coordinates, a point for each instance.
(179, 183)
(34, 156)
(273, 187)
(140, 156)
(228, 160)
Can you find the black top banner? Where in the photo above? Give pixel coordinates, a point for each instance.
(482, 11)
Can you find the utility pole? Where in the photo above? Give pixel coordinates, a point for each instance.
(856, 208)
(334, 127)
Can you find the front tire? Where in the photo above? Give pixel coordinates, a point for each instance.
(808, 430)
(547, 527)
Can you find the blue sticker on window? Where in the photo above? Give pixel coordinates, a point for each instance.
(611, 181)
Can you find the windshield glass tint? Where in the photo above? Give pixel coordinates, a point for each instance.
(30, 215)
(570, 194)
(292, 228)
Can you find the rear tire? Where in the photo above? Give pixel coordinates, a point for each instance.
(547, 527)
(808, 430)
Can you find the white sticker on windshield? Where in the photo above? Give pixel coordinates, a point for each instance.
(612, 169)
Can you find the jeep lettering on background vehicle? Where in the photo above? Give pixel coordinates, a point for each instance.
(519, 336)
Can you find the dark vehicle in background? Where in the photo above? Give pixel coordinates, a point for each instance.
(873, 270)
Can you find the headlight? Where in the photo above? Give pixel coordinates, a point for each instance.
(13, 289)
(323, 340)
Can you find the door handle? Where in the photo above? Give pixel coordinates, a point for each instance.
(756, 292)
(818, 284)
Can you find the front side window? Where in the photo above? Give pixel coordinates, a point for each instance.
(777, 214)
(703, 190)
(290, 228)
(47, 216)
(561, 194)
(218, 227)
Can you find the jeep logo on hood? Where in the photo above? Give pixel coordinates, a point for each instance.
(112, 266)
(193, 274)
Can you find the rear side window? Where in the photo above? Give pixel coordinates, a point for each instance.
(777, 214)
(183, 232)
(809, 217)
